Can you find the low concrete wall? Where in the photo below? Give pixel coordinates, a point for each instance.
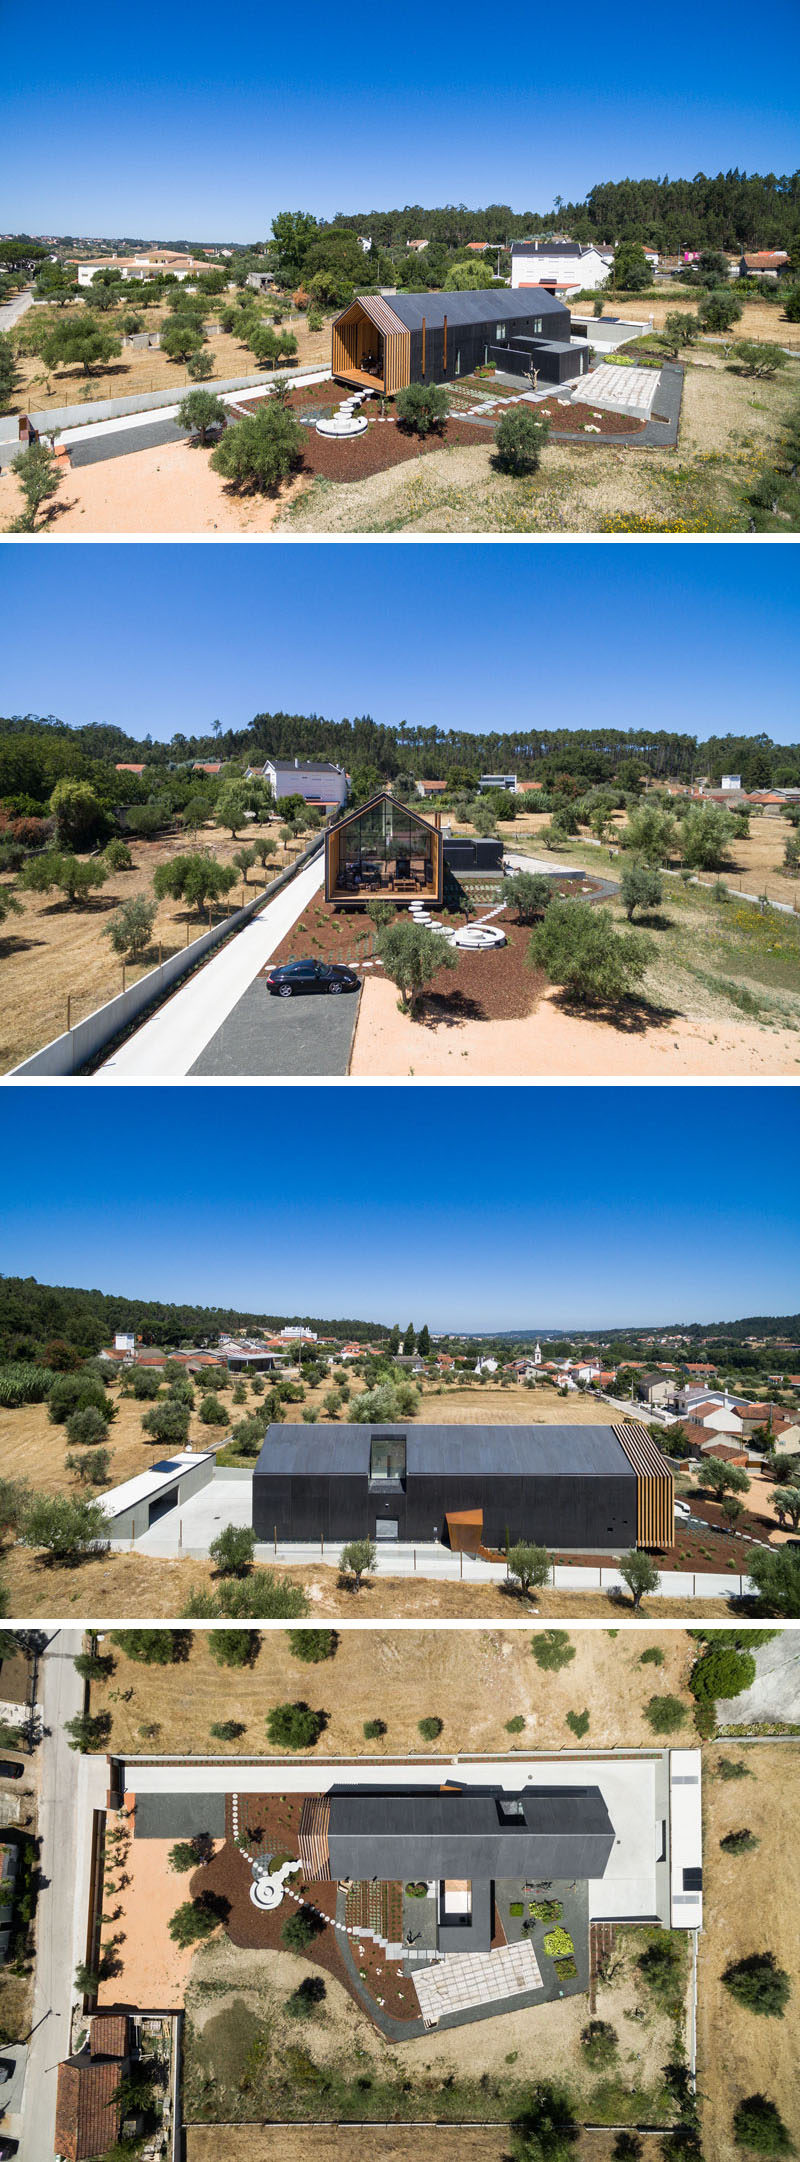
(70, 1053)
(148, 401)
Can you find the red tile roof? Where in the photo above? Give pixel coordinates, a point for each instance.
(108, 2034)
(87, 2117)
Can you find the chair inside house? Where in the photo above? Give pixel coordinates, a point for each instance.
(384, 850)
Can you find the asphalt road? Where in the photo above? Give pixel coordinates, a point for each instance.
(288, 1036)
(61, 1696)
(98, 448)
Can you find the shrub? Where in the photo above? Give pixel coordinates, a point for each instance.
(558, 1943)
(117, 856)
(232, 1550)
(733, 1768)
(757, 2122)
(515, 1725)
(310, 1992)
(196, 1920)
(260, 1597)
(723, 1671)
(578, 1723)
(152, 1647)
(577, 946)
(227, 1730)
(188, 1854)
(168, 1423)
(546, 1910)
(65, 1528)
(417, 1891)
(548, 2130)
(294, 1726)
(299, 1930)
(234, 1647)
(529, 893)
(565, 1968)
(357, 1560)
(639, 1572)
(91, 1467)
(430, 1728)
(760, 1984)
(600, 2045)
(412, 956)
(528, 1566)
(519, 439)
(665, 1714)
(660, 1966)
(653, 1657)
(131, 930)
(552, 1649)
(640, 887)
(719, 310)
(313, 1645)
(742, 1842)
(88, 1730)
(74, 1392)
(422, 408)
(88, 1427)
(776, 1575)
(373, 1729)
(261, 450)
(516, 1909)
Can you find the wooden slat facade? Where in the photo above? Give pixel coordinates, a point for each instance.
(312, 1844)
(655, 1486)
(363, 329)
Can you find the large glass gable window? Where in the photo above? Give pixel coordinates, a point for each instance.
(385, 846)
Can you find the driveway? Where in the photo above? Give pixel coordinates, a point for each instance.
(61, 1696)
(288, 1036)
(774, 1696)
(176, 1035)
(13, 310)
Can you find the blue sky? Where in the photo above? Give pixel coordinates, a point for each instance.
(172, 121)
(172, 637)
(539, 1206)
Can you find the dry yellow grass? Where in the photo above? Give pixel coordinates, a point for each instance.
(52, 953)
(756, 864)
(138, 1587)
(760, 319)
(474, 1681)
(752, 1904)
(139, 369)
(387, 2143)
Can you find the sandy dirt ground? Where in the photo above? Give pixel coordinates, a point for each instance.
(138, 369)
(473, 1681)
(760, 318)
(172, 489)
(51, 951)
(752, 1904)
(137, 1587)
(542, 2038)
(557, 1043)
(154, 1971)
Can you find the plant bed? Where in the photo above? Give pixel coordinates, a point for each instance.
(496, 985)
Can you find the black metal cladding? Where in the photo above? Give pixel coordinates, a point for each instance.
(554, 362)
(566, 1488)
(392, 1832)
(478, 855)
(472, 325)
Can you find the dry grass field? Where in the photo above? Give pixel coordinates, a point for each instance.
(387, 2143)
(138, 1587)
(752, 1904)
(52, 953)
(34, 1449)
(756, 864)
(139, 369)
(475, 1681)
(760, 318)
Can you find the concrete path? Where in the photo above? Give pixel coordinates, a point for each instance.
(169, 1044)
(91, 441)
(58, 1922)
(775, 1693)
(12, 310)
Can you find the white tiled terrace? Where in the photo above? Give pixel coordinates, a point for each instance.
(475, 1978)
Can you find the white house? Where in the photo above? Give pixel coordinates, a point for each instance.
(319, 782)
(564, 266)
(124, 1341)
(506, 781)
(486, 1366)
(731, 783)
(158, 263)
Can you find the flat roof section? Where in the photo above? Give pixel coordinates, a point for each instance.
(155, 1480)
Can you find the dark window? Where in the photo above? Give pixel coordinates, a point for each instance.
(387, 1457)
(693, 1880)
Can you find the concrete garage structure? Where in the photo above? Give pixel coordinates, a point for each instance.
(132, 1509)
(386, 343)
(589, 1489)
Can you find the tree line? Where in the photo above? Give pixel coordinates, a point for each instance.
(34, 1314)
(36, 752)
(727, 210)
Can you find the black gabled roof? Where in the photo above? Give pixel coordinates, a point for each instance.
(396, 1832)
(487, 306)
(343, 1451)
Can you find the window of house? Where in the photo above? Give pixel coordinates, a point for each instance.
(458, 363)
(501, 332)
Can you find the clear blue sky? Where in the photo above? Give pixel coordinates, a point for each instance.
(158, 638)
(173, 120)
(460, 1207)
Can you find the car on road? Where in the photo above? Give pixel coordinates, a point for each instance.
(290, 978)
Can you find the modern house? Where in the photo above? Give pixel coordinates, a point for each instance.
(580, 1489)
(562, 266)
(322, 784)
(459, 1840)
(383, 848)
(505, 781)
(385, 343)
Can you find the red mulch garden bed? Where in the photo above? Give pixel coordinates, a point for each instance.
(272, 1823)
(384, 444)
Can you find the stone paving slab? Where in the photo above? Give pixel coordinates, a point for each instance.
(475, 1978)
(618, 390)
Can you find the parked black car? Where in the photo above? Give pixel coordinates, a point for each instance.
(10, 1769)
(292, 977)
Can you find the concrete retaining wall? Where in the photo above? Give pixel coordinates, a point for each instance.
(79, 1046)
(148, 401)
